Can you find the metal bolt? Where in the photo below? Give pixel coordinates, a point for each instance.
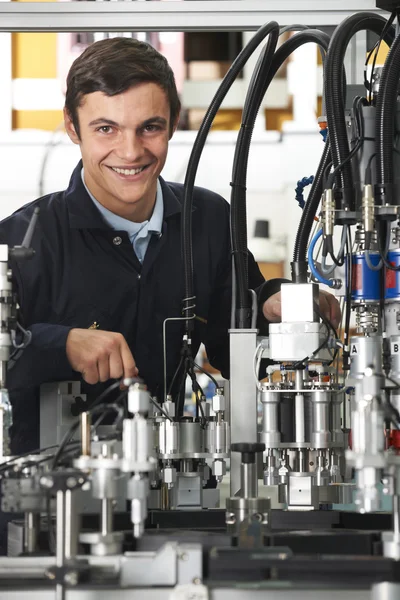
(184, 556)
(197, 581)
(71, 578)
(257, 517)
(71, 482)
(46, 482)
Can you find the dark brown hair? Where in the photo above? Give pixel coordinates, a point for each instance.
(114, 65)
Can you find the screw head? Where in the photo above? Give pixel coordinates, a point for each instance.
(71, 482)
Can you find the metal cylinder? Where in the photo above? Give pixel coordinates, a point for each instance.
(168, 437)
(365, 284)
(217, 437)
(72, 525)
(270, 433)
(31, 530)
(365, 352)
(336, 417)
(106, 516)
(60, 528)
(248, 476)
(85, 433)
(392, 279)
(242, 513)
(367, 429)
(321, 435)
(104, 483)
(137, 439)
(190, 437)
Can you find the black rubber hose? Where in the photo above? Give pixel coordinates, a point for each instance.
(310, 208)
(186, 237)
(308, 214)
(385, 118)
(335, 101)
(239, 178)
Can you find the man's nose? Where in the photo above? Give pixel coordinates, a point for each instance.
(130, 148)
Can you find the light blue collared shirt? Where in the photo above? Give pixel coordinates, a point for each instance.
(139, 233)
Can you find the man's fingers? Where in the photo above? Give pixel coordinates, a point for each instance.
(116, 366)
(330, 308)
(91, 375)
(103, 367)
(128, 362)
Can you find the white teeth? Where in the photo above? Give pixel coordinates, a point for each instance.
(127, 171)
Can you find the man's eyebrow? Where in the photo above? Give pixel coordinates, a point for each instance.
(159, 120)
(102, 121)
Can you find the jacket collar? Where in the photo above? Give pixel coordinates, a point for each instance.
(83, 214)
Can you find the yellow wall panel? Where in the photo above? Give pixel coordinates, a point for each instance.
(34, 54)
(36, 119)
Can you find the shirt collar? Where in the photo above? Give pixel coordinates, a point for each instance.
(83, 214)
(153, 225)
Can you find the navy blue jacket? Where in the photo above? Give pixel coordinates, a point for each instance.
(80, 275)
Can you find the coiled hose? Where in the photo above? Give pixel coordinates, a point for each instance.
(186, 236)
(334, 95)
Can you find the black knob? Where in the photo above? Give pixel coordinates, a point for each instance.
(248, 450)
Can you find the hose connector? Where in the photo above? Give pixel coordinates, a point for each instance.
(368, 213)
(328, 212)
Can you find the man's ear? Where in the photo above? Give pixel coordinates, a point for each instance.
(70, 128)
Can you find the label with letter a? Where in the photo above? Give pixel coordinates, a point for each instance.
(353, 349)
(394, 347)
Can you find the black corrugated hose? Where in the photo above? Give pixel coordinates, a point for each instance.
(385, 119)
(239, 176)
(299, 265)
(186, 237)
(335, 100)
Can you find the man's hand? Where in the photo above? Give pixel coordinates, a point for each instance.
(100, 355)
(328, 305)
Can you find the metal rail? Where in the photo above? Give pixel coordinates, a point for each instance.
(217, 15)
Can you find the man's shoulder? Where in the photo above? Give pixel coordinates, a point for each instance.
(203, 198)
(15, 224)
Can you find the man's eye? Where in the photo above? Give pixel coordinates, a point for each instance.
(151, 128)
(104, 129)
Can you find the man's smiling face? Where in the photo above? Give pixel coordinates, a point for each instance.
(124, 144)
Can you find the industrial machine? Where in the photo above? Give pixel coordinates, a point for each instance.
(126, 509)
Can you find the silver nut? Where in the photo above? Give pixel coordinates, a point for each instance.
(169, 475)
(169, 408)
(138, 400)
(219, 468)
(218, 403)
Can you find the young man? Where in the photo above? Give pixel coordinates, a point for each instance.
(107, 270)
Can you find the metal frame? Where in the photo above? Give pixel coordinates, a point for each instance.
(236, 15)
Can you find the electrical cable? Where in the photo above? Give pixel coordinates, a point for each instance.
(187, 250)
(215, 382)
(349, 280)
(334, 95)
(255, 93)
(385, 119)
(376, 49)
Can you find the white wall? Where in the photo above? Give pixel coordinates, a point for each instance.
(276, 163)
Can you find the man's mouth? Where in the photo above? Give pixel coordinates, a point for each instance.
(128, 171)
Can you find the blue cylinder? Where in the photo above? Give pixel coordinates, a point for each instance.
(365, 284)
(392, 278)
